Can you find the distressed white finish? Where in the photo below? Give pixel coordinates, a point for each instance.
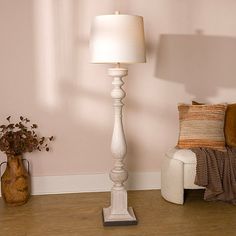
(118, 39)
(118, 211)
(178, 173)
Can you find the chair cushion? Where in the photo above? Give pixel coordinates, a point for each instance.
(184, 155)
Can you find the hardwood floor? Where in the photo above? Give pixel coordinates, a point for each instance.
(80, 214)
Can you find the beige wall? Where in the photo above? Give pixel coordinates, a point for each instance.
(45, 74)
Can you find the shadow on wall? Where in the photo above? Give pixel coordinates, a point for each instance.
(202, 63)
(45, 78)
(65, 91)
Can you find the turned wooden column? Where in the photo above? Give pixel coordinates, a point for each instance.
(118, 213)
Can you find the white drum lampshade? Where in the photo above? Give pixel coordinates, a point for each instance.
(117, 39)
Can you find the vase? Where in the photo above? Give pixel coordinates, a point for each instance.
(15, 182)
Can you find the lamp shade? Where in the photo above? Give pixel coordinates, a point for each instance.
(117, 39)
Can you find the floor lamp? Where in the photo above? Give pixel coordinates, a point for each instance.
(118, 39)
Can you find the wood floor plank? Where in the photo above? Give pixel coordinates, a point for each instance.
(80, 214)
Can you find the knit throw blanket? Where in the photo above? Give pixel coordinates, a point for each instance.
(217, 172)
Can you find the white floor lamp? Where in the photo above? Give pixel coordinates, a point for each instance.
(118, 39)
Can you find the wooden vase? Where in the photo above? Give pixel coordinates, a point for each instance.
(15, 182)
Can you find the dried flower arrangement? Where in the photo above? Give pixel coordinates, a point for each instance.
(21, 137)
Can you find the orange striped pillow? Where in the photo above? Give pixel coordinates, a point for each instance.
(202, 126)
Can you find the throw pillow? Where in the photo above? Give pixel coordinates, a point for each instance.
(230, 125)
(202, 126)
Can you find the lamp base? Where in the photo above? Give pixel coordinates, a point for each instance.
(118, 220)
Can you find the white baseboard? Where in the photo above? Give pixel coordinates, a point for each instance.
(92, 183)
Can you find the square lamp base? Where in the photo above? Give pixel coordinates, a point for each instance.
(118, 220)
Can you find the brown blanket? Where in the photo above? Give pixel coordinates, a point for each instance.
(217, 172)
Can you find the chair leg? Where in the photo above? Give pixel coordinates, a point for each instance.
(172, 180)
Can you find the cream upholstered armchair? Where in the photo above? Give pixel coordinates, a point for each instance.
(178, 173)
